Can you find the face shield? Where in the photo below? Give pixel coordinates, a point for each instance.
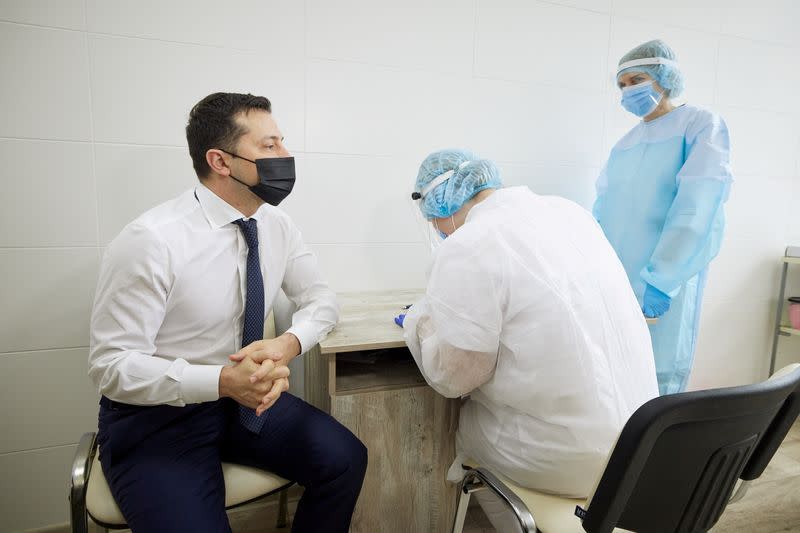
(646, 65)
(427, 228)
(424, 227)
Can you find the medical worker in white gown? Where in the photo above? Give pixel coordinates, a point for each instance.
(528, 311)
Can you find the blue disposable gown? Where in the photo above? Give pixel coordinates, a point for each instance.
(660, 203)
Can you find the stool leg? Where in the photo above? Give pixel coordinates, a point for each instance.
(283, 509)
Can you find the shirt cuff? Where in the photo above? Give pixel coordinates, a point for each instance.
(200, 383)
(307, 334)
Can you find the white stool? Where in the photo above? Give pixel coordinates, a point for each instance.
(90, 496)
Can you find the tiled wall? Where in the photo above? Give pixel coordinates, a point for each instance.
(95, 94)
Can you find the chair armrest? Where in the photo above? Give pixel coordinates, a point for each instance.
(79, 477)
(479, 478)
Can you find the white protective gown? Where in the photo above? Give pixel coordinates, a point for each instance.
(529, 311)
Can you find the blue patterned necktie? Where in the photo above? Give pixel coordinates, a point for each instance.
(253, 328)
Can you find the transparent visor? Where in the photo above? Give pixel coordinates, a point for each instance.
(425, 229)
(652, 61)
(428, 229)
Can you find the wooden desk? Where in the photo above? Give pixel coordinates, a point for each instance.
(364, 376)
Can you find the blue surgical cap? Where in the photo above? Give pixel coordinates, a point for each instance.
(470, 176)
(669, 77)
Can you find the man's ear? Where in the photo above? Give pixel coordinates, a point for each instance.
(217, 162)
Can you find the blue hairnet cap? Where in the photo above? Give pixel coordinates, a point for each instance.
(669, 77)
(470, 176)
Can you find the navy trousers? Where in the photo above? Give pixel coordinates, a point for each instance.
(163, 463)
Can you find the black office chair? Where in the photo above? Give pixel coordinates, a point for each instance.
(674, 466)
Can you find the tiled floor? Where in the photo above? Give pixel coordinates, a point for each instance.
(771, 505)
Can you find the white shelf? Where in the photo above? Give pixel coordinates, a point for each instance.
(792, 260)
(790, 331)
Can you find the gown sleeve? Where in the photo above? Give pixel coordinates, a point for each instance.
(454, 331)
(692, 232)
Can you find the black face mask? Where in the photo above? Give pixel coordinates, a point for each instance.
(276, 178)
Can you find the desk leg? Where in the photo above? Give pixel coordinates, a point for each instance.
(410, 435)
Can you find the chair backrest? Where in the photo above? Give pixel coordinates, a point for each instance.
(677, 459)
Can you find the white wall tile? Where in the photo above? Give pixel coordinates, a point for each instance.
(745, 270)
(143, 90)
(362, 109)
(758, 208)
(516, 122)
(748, 266)
(34, 486)
(133, 179)
(704, 16)
(695, 52)
(793, 221)
(44, 93)
(762, 143)
(528, 41)
(61, 415)
(47, 297)
(739, 83)
(49, 194)
(571, 182)
(435, 36)
(601, 6)
(767, 20)
(354, 199)
(272, 27)
(734, 344)
(379, 267)
(68, 14)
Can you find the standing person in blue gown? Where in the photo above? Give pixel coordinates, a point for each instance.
(660, 203)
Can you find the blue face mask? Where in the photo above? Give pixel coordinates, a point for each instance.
(641, 99)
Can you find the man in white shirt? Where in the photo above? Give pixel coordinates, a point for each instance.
(176, 340)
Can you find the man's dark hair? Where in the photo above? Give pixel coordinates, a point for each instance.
(212, 124)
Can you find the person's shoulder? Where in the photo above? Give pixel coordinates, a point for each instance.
(150, 225)
(166, 213)
(699, 114)
(565, 212)
(275, 217)
(700, 118)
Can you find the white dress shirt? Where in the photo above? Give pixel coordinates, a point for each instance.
(170, 298)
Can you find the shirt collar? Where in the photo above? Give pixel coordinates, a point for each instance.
(218, 212)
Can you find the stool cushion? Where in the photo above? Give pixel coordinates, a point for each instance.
(552, 514)
(242, 483)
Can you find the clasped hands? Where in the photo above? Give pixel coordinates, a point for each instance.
(260, 373)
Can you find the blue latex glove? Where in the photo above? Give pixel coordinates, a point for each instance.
(399, 319)
(654, 303)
